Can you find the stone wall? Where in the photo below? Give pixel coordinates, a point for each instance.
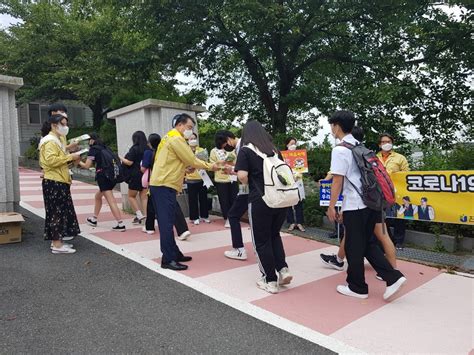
(9, 144)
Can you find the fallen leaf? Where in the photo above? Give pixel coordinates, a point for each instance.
(10, 318)
(87, 263)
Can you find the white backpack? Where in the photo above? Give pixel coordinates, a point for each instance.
(280, 186)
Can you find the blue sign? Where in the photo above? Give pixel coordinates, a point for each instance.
(325, 193)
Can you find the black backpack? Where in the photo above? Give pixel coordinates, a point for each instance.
(377, 192)
(112, 168)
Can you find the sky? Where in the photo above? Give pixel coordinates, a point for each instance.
(189, 81)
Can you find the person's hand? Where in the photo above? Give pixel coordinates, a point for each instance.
(73, 146)
(190, 170)
(333, 215)
(229, 169)
(216, 166)
(76, 156)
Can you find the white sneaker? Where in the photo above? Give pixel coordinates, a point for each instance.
(227, 224)
(67, 239)
(395, 288)
(236, 254)
(196, 222)
(184, 236)
(144, 230)
(206, 220)
(345, 290)
(270, 287)
(63, 250)
(67, 245)
(284, 276)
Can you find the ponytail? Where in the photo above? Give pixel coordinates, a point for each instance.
(46, 128)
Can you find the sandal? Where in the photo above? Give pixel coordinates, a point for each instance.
(291, 227)
(301, 228)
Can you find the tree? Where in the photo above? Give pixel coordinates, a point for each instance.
(81, 50)
(275, 60)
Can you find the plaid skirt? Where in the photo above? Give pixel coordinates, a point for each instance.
(60, 220)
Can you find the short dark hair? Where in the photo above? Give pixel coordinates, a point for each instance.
(54, 119)
(289, 139)
(388, 135)
(221, 138)
(154, 139)
(406, 198)
(424, 199)
(358, 133)
(181, 118)
(96, 138)
(57, 106)
(344, 119)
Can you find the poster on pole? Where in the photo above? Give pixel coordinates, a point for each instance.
(325, 194)
(296, 159)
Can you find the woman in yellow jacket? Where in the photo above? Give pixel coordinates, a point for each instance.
(197, 192)
(60, 220)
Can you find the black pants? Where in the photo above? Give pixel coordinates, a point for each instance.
(179, 223)
(266, 223)
(226, 192)
(295, 211)
(360, 243)
(238, 209)
(197, 197)
(399, 228)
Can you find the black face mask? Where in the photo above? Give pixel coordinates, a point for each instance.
(228, 148)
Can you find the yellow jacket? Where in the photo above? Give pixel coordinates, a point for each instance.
(394, 163)
(171, 159)
(54, 160)
(220, 175)
(195, 175)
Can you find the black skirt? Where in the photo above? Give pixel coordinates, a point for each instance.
(60, 220)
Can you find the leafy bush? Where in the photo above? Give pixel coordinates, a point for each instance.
(313, 213)
(32, 151)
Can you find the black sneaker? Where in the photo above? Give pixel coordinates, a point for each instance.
(399, 246)
(136, 220)
(332, 235)
(91, 222)
(119, 228)
(331, 260)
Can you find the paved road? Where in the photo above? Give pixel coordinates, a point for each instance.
(99, 302)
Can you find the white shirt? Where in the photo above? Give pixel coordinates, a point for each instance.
(343, 163)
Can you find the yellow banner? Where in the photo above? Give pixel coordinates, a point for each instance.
(436, 196)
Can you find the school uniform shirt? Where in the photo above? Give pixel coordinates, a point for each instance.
(394, 162)
(343, 163)
(147, 161)
(95, 155)
(135, 155)
(249, 161)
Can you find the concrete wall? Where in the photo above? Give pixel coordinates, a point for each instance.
(149, 116)
(9, 145)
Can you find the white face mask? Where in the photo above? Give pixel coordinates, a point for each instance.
(387, 147)
(193, 142)
(187, 133)
(292, 147)
(62, 130)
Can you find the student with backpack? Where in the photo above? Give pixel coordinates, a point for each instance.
(107, 165)
(272, 189)
(133, 159)
(366, 194)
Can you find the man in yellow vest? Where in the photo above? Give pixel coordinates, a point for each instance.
(393, 162)
(172, 158)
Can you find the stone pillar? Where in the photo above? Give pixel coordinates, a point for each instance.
(9, 145)
(149, 116)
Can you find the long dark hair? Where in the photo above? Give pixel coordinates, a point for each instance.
(254, 133)
(139, 139)
(154, 139)
(96, 138)
(54, 119)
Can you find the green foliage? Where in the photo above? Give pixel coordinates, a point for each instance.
(207, 132)
(313, 213)
(319, 160)
(460, 157)
(32, 151)
(108, 133)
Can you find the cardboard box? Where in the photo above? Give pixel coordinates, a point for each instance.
(10, 227)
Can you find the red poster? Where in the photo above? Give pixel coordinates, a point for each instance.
(296, 159)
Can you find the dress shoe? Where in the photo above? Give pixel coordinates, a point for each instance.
(184, 258)
(174, 265)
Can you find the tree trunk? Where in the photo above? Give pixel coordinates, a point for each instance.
(280, 119)
(97, 112)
